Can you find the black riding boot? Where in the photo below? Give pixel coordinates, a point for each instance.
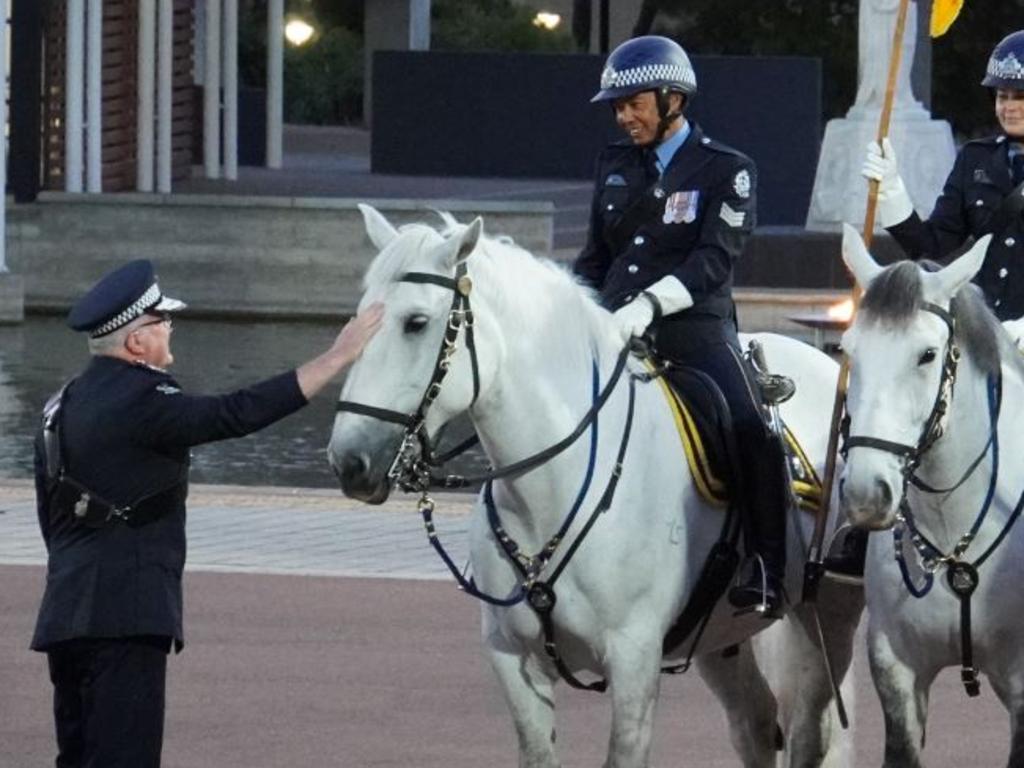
(849, 560)
(762, 579)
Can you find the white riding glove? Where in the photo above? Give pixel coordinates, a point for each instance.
(633, 319)
(894, 205)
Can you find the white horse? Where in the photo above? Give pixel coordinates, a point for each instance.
(934, 455)
(542, 347)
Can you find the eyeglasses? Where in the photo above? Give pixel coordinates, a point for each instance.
(165, 317)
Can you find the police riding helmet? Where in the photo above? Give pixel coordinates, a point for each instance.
(1006, 66)
(649, 63)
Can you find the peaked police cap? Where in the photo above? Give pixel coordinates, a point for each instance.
(118, 298)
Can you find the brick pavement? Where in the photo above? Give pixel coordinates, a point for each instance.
(280, 530)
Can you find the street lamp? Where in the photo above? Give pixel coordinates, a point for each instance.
(298, 31)
(546, 20)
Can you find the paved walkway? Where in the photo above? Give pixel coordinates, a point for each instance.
(299, 531)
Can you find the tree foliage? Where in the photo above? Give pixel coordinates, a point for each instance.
(492, 25)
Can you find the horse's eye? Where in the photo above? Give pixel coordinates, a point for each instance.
(928, 356)
(415, 323)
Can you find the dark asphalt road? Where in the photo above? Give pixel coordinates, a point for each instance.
(285, 671)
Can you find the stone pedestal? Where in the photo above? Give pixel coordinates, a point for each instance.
(924, 149)
(12, 298)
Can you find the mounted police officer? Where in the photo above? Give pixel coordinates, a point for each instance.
(983, 195)
(977, 198)
(111, 471)
(672, 211)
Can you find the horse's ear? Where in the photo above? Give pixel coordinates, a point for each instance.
(950, 279)
(456, 249)
(378, 229)
(857, 258)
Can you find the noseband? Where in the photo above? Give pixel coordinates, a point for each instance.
(934, 425)
(410, 466)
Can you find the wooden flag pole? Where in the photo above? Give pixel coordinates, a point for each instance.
(814, 568)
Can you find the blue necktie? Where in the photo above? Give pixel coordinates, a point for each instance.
(1017, 168)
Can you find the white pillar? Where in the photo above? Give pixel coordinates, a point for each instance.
(165, 51)
(419, 25)
(73, 86)
(146, 85)
(3, 144)
(275, 79)
(231, 89)
(211, 92)
(94, 96)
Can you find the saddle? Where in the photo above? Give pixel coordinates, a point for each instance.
(701, 416)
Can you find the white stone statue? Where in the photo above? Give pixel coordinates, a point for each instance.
(924, 146)
(875, 27)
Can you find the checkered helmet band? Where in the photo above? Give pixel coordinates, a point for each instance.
(1007, 68)
(649, 75)
(151, 297)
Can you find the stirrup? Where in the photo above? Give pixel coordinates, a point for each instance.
(763, 609)
(775, 388)
(838, 576)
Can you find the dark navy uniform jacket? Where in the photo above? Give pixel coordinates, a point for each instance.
(975, 190)
(126, 433)
(697, 220)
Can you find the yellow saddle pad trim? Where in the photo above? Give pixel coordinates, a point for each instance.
(806, 487)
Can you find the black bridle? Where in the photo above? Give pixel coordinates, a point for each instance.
(411, 468)
(934, 425)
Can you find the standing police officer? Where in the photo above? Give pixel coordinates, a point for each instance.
(111, 470)
(671, 212)
(977, 198)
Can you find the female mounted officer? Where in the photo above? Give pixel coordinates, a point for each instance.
(977, 198)
(672, 210)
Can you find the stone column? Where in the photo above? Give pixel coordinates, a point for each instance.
(924, 147)
(12, 289)
(391, 25)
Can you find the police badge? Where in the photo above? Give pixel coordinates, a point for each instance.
(742, 184)
(681, 207)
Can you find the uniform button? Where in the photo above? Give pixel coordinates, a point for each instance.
(705, 140)
(997, 302)
(632, 269)
(659, 192)
(611, 207)
(638, 240)
(1003, 272)
(1009, 242)
(978, 203)
(629, 298)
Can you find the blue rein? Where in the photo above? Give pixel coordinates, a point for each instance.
(924, 546)
(533, 564)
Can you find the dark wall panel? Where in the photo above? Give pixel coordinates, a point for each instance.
(529, 115)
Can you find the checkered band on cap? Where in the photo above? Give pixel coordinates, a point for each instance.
(648, 74)
(1007, 68)
(137, 308)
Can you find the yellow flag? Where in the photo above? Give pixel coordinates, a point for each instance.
(944, 13)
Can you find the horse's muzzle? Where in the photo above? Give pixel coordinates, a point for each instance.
(870, 505)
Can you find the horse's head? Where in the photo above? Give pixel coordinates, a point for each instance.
(903, 353)
(418, 372)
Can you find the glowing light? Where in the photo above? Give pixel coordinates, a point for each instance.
(842, 311)
(298, 32)
(546, 20)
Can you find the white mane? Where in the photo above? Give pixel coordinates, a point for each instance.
(526, 291)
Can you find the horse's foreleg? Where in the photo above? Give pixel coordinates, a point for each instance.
(529, 691)
(1008, 683)
(633, 670)
(801, 680)
(748, 702)
(903, 692)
